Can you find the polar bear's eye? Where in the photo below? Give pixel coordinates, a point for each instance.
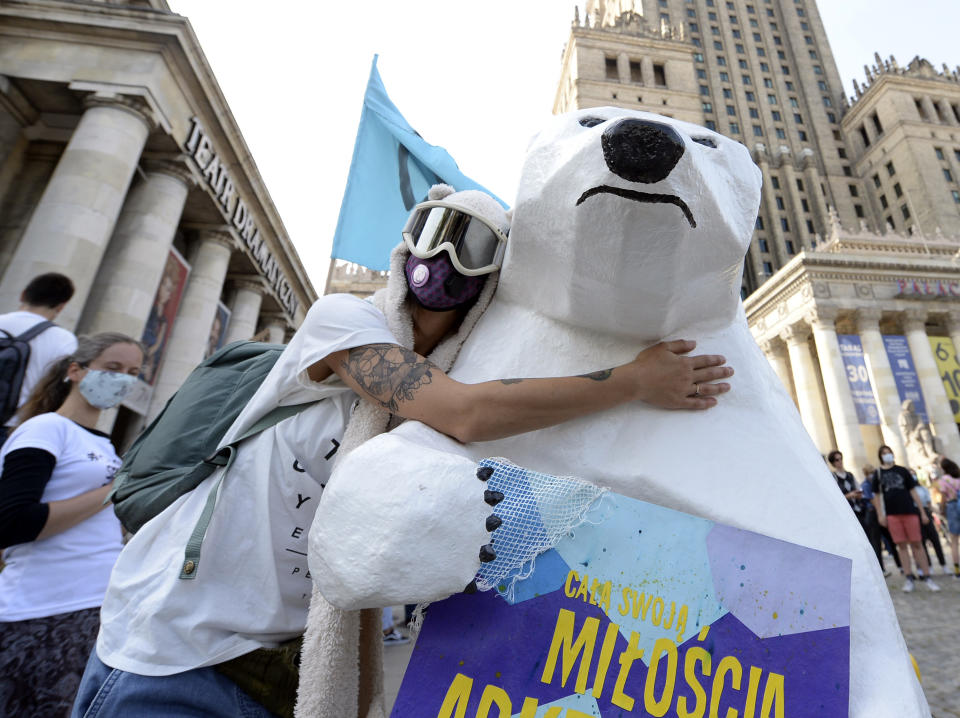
(592, 121)
(705, 141)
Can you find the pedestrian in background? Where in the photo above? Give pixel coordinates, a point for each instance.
(929, 530)
(949, 485)
(897, 504)
(60, 542)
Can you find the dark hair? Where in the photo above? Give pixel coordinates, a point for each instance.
(950, 467)
(48, 290)
(52, 389)
(880, 451)
(833, 455)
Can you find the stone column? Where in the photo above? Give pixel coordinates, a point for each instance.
(71, 225)
(127, 280)
(244, 310)
(929, 108)
(807, 384)
(947, 112)
(776, 352)
(881, 378)
(939, 415)
(799, 219)
(646, 70)
(276, 331)
(188, 339)
(843, 412)
(815, 195)
(623, 67)
(774, 231)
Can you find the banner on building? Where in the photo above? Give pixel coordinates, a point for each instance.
(851, 350)
(904, 373)
(218, 329)
(163, 313)
(391, 170)
(949, 366)
(641, 610)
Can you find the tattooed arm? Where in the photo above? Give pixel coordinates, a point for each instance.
(411, 386)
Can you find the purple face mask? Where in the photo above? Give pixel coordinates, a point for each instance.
(437, 284)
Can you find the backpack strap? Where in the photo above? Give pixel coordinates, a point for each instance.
(224, 458)
(35, 330)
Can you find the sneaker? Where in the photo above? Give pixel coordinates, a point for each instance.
(887, 572)
(907, 586)
(930, 584)
(947, 571)
(394, 638)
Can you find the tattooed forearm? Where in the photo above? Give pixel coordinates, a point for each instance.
(601, 375)
(389, 373)
(510, 381)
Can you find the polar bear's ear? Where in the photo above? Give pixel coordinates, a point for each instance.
(439, 191)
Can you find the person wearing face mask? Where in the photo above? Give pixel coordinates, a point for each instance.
(60, 544)
(897, 504)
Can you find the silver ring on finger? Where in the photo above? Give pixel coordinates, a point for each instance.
(696, 389)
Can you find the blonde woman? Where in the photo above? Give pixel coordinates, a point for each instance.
(59, 542)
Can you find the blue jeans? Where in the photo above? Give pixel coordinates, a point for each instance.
(203, 692)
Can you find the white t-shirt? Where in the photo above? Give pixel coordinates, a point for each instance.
(50, 345)
(252, 587)
(69, 570)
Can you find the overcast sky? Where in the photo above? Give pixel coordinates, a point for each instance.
(477, 78)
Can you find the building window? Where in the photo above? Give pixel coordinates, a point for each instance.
(810, 230)
(768, 83)
(805, 27)
(876, 181)
(789, 246)
(708, 107)
(864, 136)
(698, 56)
(754, 23)
(612, 73)
(767, 268)
(754, 113)
(742, 64)
(712, 16)
(842, 153)
(947, 175)
(761, 52)
(799, 184)
(721, 60)
(831, 117)
(890, 223)
(696, 42)
(777, 40)
(740, 49)
(762, 244)
(691, 12)
(956, 195)
(701, 74)
(905, 211)
(847, 172)
(734, 128)
(788, 85)
(757, 131)
(938, 151)
(727, 93)
(775, 181)
(731, 110)
(920, 110)
(883, 201)
(802, 135)
(784, 69)
(704, 90)
(764, 67)
(853, 190)
(724, 77)
(659, 75)
(780, 204)
(775, 114)
(784, 224)
(897, 191)
(717, 45)
(736, 34)
(781, 133)
(813, 54)
(747, 81)
(827, 102)
(710, 125)
(805, 205)
(636, 75)
(807, 39)
(759, 222)
(771, 99)
(750, 10)
(858, 208)
(876, 123)
(817, 70)
(798, 118)
(956, 154)
(757, 37)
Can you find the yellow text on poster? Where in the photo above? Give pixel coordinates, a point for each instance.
(949, 368)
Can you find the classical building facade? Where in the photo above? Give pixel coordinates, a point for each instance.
(122, 167)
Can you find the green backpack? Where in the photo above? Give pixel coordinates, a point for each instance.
(181, 447)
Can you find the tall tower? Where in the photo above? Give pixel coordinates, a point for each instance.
(759, 71)
(904, 128)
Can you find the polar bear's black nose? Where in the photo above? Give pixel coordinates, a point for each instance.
(641, 150)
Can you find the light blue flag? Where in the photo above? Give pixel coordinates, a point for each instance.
(391, 171)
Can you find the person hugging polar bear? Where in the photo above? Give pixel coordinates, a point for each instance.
(629, 228)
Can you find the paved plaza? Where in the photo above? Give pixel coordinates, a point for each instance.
(930, 623)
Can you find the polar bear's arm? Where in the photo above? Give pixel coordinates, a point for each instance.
(398, 523)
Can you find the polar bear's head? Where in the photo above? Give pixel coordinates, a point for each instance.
(631, 223)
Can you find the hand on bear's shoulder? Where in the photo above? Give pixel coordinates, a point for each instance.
(664, 376)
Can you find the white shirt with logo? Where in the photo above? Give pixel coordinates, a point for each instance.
(68, 571)
(251, 587)
(45, 348)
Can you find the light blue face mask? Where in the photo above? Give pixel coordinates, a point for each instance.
(105, 389)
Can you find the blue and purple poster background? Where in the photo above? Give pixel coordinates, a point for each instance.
(641, 610)
(904, 372)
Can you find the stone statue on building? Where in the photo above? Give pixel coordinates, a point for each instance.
(922, 446)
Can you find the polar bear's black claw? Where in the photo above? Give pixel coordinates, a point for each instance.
(493, 522)
(471, 587)
(492, 497)
(484, 473)
(487, 554)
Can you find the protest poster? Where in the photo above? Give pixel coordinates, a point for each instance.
(641, 610)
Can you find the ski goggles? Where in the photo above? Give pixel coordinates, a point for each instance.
(475, 245)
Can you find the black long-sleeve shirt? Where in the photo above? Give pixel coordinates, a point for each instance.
(24, 477)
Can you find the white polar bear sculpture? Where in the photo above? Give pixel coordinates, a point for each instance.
(628, 228)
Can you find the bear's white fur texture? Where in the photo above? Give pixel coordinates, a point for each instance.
(585, 285)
